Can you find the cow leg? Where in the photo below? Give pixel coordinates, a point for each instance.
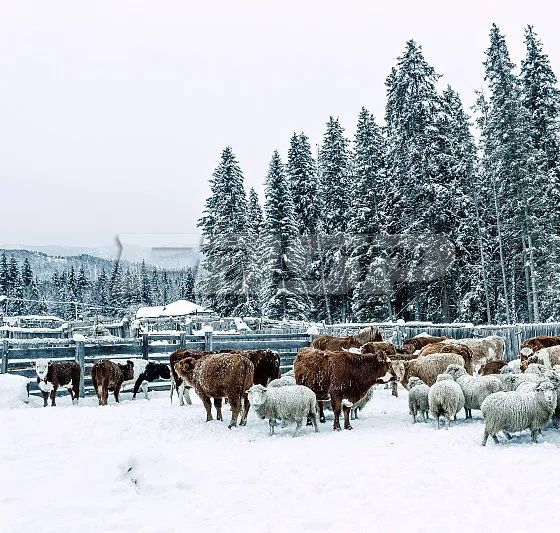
(337, 407)
(218, 406)
(346, 411)
(245, 412)
(207, 405)
(53, 396)
(137, 386)
(235, 408)
(394, 389)
(45, 398)
(322, 418)
(145, 389)
(105, 400)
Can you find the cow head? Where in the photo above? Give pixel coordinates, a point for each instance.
(42, 368)
(399, 369)
(185, 368)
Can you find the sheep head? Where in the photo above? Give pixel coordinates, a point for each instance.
(456, 371)
(545, 389)
(414, 381)
(257, 395)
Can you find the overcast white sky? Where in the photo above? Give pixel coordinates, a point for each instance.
(113, 113)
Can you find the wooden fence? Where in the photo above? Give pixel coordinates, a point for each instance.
(18, 357)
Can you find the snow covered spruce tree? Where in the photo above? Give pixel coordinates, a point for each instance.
(334, 179)
(255, 275)
(371, 298)
(541, 98)
(419, 196)
(225, 250)
(303, 178)
(284, 290)
(516, 185)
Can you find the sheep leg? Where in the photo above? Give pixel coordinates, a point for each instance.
(447, 422)
(298, 427)
(495, 437)
(485, 437)
(508, 435)
(413, 413)
(218, 406)
(271, 424)
(235, 408)
(394, 389)
(534, 434)
(207, 406)
(313, 416)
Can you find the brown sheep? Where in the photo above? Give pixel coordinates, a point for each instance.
(220, 375)
(493, 367)
(427, 368)
(343, 377)
(451, 347)
(107, 375)
(534, 344)
(330, 343)
(417, 343)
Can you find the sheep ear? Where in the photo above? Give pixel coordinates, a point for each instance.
(247, 391)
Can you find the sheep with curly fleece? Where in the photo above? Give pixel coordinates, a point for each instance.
(516, 411)
(512, 381)
(536, 368)
(361, 403)
(284, 381)
(289, 404)
(418, 399)
(445, 399)
(427, 367)
(475, 388)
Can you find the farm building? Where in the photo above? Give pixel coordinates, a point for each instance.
(178, 315)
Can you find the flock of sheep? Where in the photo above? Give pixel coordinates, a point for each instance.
(443, 377)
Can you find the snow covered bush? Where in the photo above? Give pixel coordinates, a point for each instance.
(13, 390)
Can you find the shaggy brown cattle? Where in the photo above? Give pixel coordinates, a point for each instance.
(427, 368)
(343, 377)
(336, 344)
(534, 344)
(217, 376)
(417, 343)
(51, 376)
(451, 347)
(547, 356)
(107, 375)
(266, 363)
(493, 367)
(177, 384)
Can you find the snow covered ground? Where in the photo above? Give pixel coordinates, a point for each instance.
(144, 466)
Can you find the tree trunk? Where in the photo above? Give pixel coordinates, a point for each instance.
(483, 264)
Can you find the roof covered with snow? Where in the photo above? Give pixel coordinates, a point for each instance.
(178, 308)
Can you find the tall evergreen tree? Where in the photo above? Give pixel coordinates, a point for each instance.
(255, 277)
(285, 293)
(368, 264)
(224, 226)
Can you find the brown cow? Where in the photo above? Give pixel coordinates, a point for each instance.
(493, 367)
(343, 377)
(177, 384)
(451, 347)
(335, 344)
(417, 343)
(107, 375)
(52, 375)
(220, 375)
(534, 344)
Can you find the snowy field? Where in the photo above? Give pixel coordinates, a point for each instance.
(144, 466)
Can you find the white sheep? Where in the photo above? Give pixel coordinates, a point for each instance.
(515, 365)
(475, 388)
(512, 381)
(535, 368)
(292, 403)
(284, 381)
(418, 399)
(517, 411)
(445, 399)
(289, 373)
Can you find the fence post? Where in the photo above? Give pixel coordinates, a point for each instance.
(182, 339)
(145, 345)
(81, 360)
(208, 341)
(4, 362)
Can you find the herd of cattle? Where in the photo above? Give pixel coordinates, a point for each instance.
(443, 376)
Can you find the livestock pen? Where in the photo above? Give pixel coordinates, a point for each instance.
(18, 355)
